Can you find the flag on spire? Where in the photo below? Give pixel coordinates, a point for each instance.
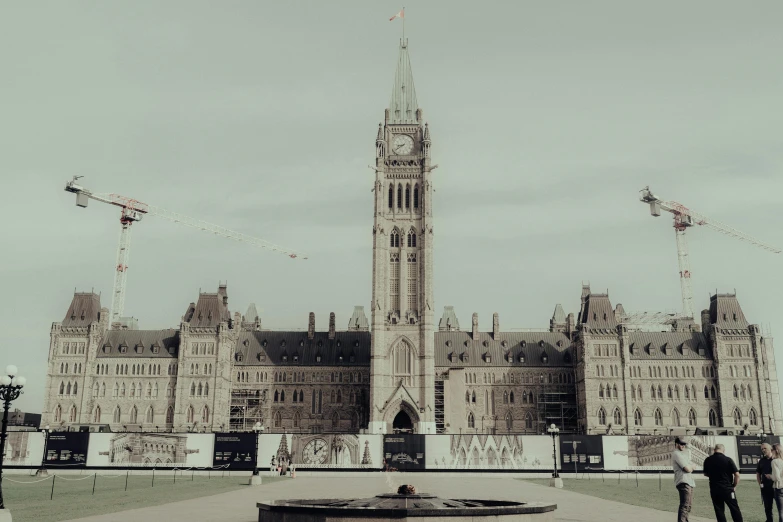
(401, 14)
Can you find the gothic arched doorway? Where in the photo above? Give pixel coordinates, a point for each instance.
(402, 423)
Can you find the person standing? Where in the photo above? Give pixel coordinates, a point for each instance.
(683, 481)
(763, 472)
(724, 477)
(777, 477)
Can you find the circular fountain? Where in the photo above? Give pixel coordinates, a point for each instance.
(405, 504)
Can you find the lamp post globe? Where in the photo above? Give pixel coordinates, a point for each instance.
(555, 481)
(10, 389)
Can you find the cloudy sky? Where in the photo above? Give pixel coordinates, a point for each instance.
(547, 118)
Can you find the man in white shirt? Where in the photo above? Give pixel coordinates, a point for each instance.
(683, 481)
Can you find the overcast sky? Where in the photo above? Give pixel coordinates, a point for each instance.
(547, 118)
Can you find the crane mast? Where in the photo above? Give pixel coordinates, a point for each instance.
(685, 218)
(132, 211)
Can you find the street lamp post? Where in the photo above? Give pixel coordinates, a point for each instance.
(42, 472)
(10, 389)
(555, 481)
(255, 478)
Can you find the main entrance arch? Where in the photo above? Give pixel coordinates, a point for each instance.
(401, 417)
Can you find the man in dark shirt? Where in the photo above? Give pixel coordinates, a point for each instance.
(763, 469)
(724, 477)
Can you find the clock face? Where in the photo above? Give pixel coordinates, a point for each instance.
(402, 144)
(315, 452)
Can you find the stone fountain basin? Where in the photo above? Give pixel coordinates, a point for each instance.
(401, 507)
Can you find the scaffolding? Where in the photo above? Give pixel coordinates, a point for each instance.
(247, 408)
(557, 405)
(440, 423)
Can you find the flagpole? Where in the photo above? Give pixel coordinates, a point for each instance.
(403, 25)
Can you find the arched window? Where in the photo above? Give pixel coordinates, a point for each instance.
(190, 415)
(205, 415)
(473, 397)
(601, 416)
(511, 397)
(471, 420)
(601, 391)
(652, 392)
(391, 197)
(669, 394)
(658, 417)
(660, 392)
(72, 414)
(394, 239)
(467, 396)
(399, 196)
(713, 418)
(282, 396)
(505, 397)
(752, 417)
(713, 393)
(706, 392)
(335, 420)
(691, 417)
(633, 392)
(277, 396)
(618, 418)
(737, 417)
(637, 417)
(150, 417)
(68, 389)
(170, 415)
(117, 414)
(639, 392)
(193, 389)
(103, 389)
(614, 392)
(675, 417)
(509, 421)
(736, 392)
(416, 196)
(407, 196)
(687, 393)
(96, 418)
(95, 389)
(133, 415)
(528, 421)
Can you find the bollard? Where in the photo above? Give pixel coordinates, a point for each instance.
(175, 475)
(191, 475)
(659, 480)
(126, 480)
(153, 477)
(94, 478)
(637, 479)
(602, 477)
(52, 495)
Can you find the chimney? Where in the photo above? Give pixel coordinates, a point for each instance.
(495, 326)
(705, 321)
(475, 326)
(311, 326)
(331, 325)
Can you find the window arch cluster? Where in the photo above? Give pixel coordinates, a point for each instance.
(738, 350)
(199, 390)
(243, 376)
(608, 392)
(200, 369)
(203, 415)
(743, 392)
(99, 389)
(102, 369)
(747, 371)
(74, 348)
(708, 372)
(407, 197)
(614, 371)
(710, 392)
(69, 388)
(67, 367)
(202, 349)
(172, 370)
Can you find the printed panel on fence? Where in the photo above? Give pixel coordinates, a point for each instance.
(404, 451)
(749, 450)
(488, 452)
(151, 450)
(235, 450)
(654, 452)
(581, 453)
(24, 448)
(320, 451)
(67, 449)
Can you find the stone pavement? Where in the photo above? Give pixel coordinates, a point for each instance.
(240, 505)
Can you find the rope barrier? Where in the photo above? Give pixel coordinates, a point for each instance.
(26, 481)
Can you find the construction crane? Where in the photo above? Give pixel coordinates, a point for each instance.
(133, 211)
(683, 219)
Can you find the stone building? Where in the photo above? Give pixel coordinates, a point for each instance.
(590, 373)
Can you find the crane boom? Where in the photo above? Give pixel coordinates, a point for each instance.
(132, 211)
(683, 219)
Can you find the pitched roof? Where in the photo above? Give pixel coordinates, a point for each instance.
(451, 348)
(597, 312)
(251, 315)
(267, 348)
(682, 345)
(725, 312)
(85, 309)
(559, 316)
(140, 343)
(403, 105)
(358, 320)
(448, 320)
(210, 311)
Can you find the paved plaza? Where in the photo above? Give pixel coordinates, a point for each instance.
(239, 506)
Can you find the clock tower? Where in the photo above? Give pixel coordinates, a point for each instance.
(402, 366)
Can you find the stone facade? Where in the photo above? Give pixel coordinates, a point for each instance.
(589, 373)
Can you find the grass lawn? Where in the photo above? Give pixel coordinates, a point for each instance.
(73, 498)
(648, 495)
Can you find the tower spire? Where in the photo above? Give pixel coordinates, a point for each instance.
(403, 106)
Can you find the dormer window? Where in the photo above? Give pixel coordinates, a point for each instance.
(604, 316)
(239, 357)
(451, 356)
(735, 316)
(724, 317)
(464, 357)
(487, 358)
(448, 343)
(560, 343)
(503, 343)
(356, 343)
(301, 343)
(523, 344)
(155, 348)
(632, 348)
(261, 357)
(123, 348)
(171, 350)
(567, 358)
(509, 357)
(246, 342)
(541, 344)
(284, 358)
(139, 348)
(485, 343)
(352, 358)
(296, 357)
(340, 357)
(264, 343)
(521, 358)
(106, 348)
(282, 343)
(595, 316)
(318, 358)
(339, 344)
(544, 358)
